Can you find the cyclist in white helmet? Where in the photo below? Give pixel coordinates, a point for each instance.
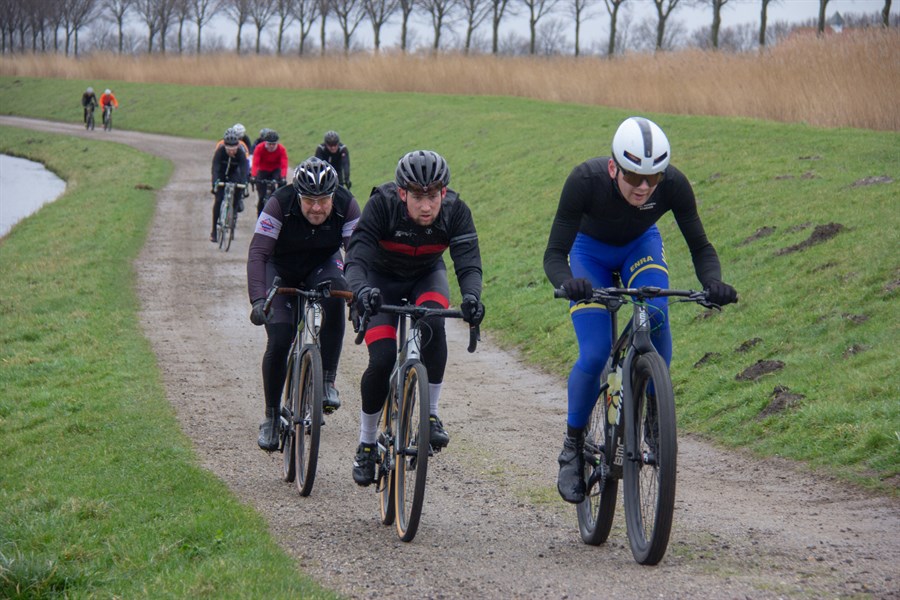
(606, 223)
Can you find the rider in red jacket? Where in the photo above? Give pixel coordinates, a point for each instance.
(270, 161)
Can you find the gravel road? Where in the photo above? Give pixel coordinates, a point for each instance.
(493, 525)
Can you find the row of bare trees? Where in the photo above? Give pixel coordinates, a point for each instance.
(54, 25)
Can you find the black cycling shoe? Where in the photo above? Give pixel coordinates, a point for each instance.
(364, 465)
(570, 482)
(331, 402)
(268, 432)
(439, 437)
(239, 205)
(213, 237)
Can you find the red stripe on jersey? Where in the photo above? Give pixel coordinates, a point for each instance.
(382, 332)
(412, 250)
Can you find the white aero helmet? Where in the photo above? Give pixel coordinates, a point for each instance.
(640, 146)
(239, 129)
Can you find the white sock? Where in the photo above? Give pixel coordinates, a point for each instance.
(368, 427)
(434, 393)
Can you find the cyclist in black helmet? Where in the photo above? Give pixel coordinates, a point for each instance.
(397, 252)
(336, 154)
(298, 237)
(229, 165)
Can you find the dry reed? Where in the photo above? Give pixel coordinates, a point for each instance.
(847, 80)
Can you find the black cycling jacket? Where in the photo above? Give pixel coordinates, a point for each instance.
(340, 160)
(591, 203)
(388, 242)
(230, 168)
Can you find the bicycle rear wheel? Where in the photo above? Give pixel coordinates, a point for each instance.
(309, 428)
(650, 474)
(412, 446)
(596, 512)
(289, 408)
(385, 478)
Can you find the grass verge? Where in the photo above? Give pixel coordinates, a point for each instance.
(100, 492)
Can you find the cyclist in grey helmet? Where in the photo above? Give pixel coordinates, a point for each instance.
(397, 252)
(336, 154)
(229, 165)
(88, 100)
(298, 237)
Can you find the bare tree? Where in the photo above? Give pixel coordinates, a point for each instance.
(822, 5)
(146, 10)
(239, 12)
(664, 8)
(612, 7)
(475, 11)
(350, 14)
(536, 10)
(440, 11)
(325, 7)
(202, 12)
(578, 8)
(260, 12)
(182, 13)
(551, 39)
(763, 17)
(406, 8)
(498, 8)
(306, 12)
(886, 14)
(285, 11)
(12, 13)
(379, 11)
(116, 12)
(717, 21)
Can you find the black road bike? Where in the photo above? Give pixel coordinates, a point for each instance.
(631, 435)
(404, 432)
(300, 422)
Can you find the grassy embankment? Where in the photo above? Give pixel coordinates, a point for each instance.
(100, 492)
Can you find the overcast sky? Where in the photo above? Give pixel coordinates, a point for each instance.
(594, 30)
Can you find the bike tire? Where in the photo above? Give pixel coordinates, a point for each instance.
(308, 429)
(412, 447)
(229, 225)
(649, 475)
(220, 224)
(90, 122)
(289, 408)
(596, 512)
(385, 461)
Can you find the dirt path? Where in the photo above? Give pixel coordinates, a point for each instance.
(493, 525)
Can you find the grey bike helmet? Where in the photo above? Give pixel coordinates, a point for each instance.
(315, 177)
(332, 138)
(271, 136)
(263, 132)
(640, 146)
(239, 129)
(422, 168)
(231, 138)
(90, 90)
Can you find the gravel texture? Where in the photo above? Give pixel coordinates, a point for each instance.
(493, 525)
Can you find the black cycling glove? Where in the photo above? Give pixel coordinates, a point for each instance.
(578, 289)
(257, 315)
(368, 300)
(472, 310)
(720, 293)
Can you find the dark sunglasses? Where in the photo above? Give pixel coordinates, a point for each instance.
(635, 179)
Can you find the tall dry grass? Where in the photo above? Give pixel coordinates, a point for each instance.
(847, 80)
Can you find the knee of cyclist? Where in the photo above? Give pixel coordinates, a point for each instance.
(591, 364)
(381, 356)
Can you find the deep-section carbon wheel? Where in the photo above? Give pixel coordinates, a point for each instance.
(413, 443)
(309, 427)
(650, 474)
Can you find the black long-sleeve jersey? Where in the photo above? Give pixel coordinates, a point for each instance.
(591, 203)
(295, 246)
(230, 168)
(388, 242)
(340, 160)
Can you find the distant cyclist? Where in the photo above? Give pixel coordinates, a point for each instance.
(229, 165)
(260, 140)
(298, 237)
(242, 135)
(108, 99)
(336, 154)
(88, 101)
(270, 161)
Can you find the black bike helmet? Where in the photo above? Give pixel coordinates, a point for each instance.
(422, 169)
(315, 177)
(271, 136)
(331, 138)
(231, 138)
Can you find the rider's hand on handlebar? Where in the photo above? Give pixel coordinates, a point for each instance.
(368, 300)
(215, 184)
(472, 310)
(578, 289)
(721, 293)
(257, 314)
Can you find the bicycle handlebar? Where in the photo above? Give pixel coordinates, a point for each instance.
(323, 290)
(613, 297)
(418, 312)
(239, 186)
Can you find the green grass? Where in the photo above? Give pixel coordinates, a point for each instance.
(100, 492)
(509, 158)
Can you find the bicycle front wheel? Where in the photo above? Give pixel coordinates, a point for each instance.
(309, 428)
(596, 512)
(289, 408)
(229, 224)
(220, 224)
(649, 471)
(412, 446)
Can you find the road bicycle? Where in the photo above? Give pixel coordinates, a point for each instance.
(107, 117)
(227, 214)
(403, 443)
(270, 185)
(631, 435)
(89, 122)
(300, 421)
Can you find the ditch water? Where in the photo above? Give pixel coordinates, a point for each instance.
(25, 186)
